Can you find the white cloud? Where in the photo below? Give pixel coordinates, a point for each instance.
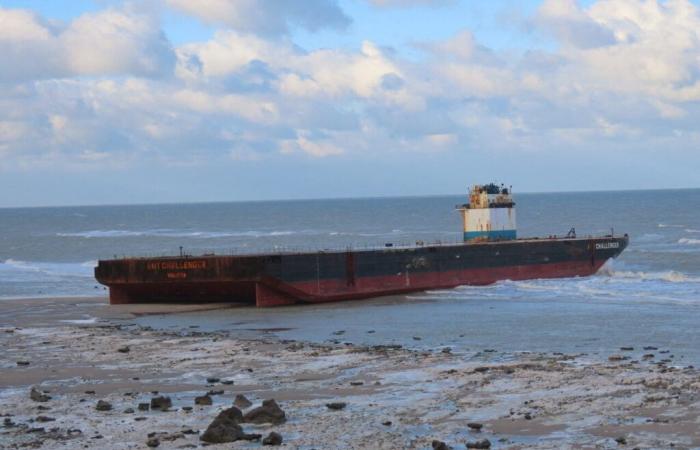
(267, 17)
(109, 42)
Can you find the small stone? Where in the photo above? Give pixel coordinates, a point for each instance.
(153, 442)
(129, 411)
(475, 426)
(213, 380)
(482, 444)
(621, 440)
(227, 382)
(269, 412)
(139, 419)
(417, 338)
(648, 356)
(162, 402)
(387, 423)
(215, 392)
(144, 406)
(528, 416)
(203, 400)
(38, 396)
(339, 332)
(242, 402)
(187, 408)
(616, 358)
(124, 349)
(439, 445)
(22, 363)
(336, 406)
(626, 349)
(272, 439)
(90, 392)
(45, 419)
(103, 406)
(446, 350)
(357, 383)
(649, 347)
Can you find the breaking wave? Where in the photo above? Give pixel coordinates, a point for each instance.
(687, 241)
(12, 269)
(691, 230)
(666, 225)
(174, 234)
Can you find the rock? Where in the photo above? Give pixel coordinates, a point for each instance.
(22, 363)
(475, 426)
(387, 423)
(242, 402)
(528, 416)
(227, 382)
(339, 332)
(45, 419)
(336, 406)
(38, 396)
(446, 350)
(162, 402)
(482, 444)
(272, 439)
(90, 392)
(621, 440)
(417, 338)
(129, 411)
(124, 349)
(203, 400)
(213, 380)
(626, 349)
(616, 358)
(225, 428)
(43, 408)
(153, 442)
(269, 412)
(103, 406)
(649, 347)
(357, 383)
(648, 356)
(215, 392)
(439, 445)
(144, 406)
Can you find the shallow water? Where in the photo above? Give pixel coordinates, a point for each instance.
(648, 296)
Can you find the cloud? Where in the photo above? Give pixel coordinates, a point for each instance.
(109, 42)
(408, 3)
(266, 17)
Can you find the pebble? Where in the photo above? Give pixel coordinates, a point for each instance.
(153, 442)
(439, 445)
(203, 400)
(273, 438)
(124, 349)
(336, 406)
(103, 406)
(475, 426)
(482, 444)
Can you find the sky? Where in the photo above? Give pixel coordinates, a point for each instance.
(105, 102)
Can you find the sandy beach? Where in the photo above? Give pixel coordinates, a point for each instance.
(384, 396)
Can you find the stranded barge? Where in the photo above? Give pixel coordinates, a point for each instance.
(490, 252)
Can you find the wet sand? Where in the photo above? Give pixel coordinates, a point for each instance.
(396, 397)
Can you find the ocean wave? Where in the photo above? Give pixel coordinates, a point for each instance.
(691, 230)
(176, 234)
(687, 241)
(12, 266)
(670, 276)
(666, 225)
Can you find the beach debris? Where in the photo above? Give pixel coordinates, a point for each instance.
(144, 406)
(242, 402)
(481, 444)
(213, 380)
(475, 426)
(439, 445)
(22, 363)
(203, 400)
(269, 412)
(336, 406)
(273, 438)
(38, 396)
(103, 406)
(161, 402)
(153, 442)
(124, 349)
(225, 428)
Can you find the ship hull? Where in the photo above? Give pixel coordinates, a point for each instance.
(289, 278)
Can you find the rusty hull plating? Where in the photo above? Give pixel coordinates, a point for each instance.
(276, 279)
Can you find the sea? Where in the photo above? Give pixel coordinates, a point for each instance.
(649, 296)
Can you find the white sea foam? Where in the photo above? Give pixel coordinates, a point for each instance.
(670, 275)
(666, 225)
(92, 234)
(12, 266)
(687, 241)
(691, 230)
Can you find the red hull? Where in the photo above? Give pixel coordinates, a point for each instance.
(271, 292)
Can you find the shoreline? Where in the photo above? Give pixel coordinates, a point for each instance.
(395, 397)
